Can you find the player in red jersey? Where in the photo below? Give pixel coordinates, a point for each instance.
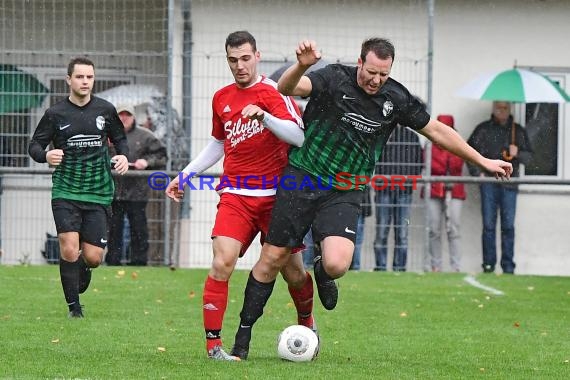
(253, 126)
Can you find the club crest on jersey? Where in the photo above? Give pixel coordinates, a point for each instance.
(387, 108)
(100, 121)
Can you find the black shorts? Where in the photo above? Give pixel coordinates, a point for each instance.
(330, 212)
(89, 219)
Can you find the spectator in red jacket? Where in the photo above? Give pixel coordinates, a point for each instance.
(444, 202)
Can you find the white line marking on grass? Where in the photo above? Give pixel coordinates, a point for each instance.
(472, 281)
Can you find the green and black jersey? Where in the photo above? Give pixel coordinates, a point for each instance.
(83, 133)
(346, 128)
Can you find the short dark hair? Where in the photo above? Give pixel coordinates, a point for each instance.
(239, 38)
(381, 47)
(78, 61)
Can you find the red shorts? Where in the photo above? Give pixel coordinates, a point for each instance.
(242, 217)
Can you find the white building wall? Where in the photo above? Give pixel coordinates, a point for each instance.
(471, 38)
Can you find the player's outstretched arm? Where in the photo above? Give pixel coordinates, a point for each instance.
(172, 190)
(121, 163)
(450, 140)
(501, 169)
(292, 81)
(211, 154)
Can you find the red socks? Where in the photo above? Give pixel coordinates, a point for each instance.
(215, 301)
(303, 299)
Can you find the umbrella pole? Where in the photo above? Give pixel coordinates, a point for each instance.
(506, 154)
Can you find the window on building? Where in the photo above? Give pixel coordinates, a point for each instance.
(546, 125)
(541, 122)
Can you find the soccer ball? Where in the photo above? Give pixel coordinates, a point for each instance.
(297, 344)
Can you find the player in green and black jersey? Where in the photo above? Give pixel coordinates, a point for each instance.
(349, 117)
(347, 127)
(79, 128)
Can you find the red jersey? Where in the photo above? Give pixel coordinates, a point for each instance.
(250, 149)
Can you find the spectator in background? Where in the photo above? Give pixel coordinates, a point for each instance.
(444, 199)
(499, 137)
(402, 156)
(146, 152)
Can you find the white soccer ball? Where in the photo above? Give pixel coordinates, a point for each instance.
(297, 344)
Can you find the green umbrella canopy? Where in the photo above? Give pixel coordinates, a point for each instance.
(19, 90)
(516, 85)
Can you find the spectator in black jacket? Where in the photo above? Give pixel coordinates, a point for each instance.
(146, 152)
(499, 137)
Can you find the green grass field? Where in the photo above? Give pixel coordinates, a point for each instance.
(386, 325)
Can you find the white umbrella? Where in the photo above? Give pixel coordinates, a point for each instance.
(150, 100)
(516, 85)
(131, 94)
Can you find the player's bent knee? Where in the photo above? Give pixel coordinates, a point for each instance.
(94, 263)
(294, 276)
(336, 268)
(221, 270)
(92, 254)
(223, 263)
(273, 254)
